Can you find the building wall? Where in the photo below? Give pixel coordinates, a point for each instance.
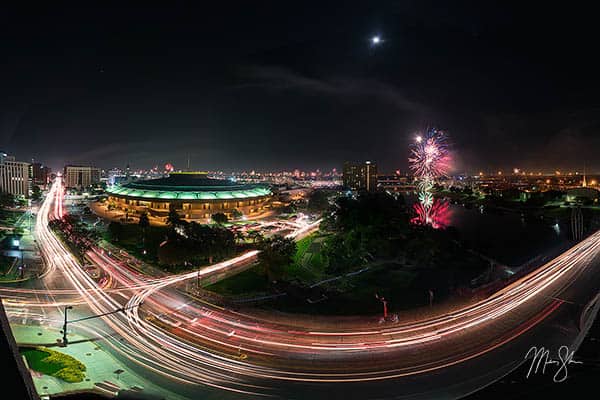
(80, 176)
(40, 173)
(194, 210)
(582, 193)
(14, 177)
(359, 177)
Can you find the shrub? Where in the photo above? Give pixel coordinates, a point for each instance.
(54, 363)
(70, 375)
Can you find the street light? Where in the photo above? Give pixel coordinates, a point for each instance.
(121, 309)
(65, 340)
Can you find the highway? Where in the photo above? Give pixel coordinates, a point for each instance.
(195, 344)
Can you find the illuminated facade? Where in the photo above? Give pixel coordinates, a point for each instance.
(14, 176)
(192, 194)
(40, 174)
(359, 177)
(76, 176)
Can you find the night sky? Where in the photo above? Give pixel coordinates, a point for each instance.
(283, 85)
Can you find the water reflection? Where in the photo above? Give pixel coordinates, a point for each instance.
(438, 215)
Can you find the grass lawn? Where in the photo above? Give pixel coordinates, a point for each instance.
(307, 267)
(54, 363)
(9, 217)
(308, 263)
(5, 264)
(356, 295)
(246, 282)
(302, 245)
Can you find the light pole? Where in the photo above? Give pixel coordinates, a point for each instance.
(65, 340)
(29, 214)
(122, 309)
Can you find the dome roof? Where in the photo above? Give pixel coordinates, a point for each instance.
(189, 186)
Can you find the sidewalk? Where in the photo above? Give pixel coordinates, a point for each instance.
(102, 367)
(28, 253)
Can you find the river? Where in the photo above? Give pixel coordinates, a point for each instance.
(506, 236)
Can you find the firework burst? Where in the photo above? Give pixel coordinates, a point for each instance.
(430, 157)
(429, 160)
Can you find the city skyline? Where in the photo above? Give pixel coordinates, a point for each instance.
(336, 170)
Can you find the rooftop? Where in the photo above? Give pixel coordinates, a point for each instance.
(190, 186)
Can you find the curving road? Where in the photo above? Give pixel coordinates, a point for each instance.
(195, 344)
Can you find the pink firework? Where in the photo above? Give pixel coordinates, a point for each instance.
(430, 157)
(438, 215)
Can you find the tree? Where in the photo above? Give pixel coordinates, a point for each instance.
(318, 201)
(172, 252)
(374, 225)
(219, 218)
(36, 193)
(78, 236)
(237, 213)
(209, 241)
(346, 251)
(144, 223)
(144, 220)
(288, 209)
(276, 253)
(115, 229)
(173, 219)
(239, 236)
(255, 236)
(6, 199)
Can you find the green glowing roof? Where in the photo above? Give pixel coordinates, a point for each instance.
(207, 194)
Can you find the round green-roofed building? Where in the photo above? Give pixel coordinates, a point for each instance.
(192, 194)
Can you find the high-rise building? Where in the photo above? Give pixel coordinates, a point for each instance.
(77, 176)
(14, 176)
(360, 177)
(40, 173)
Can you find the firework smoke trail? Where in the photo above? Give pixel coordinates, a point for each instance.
(429, 160)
